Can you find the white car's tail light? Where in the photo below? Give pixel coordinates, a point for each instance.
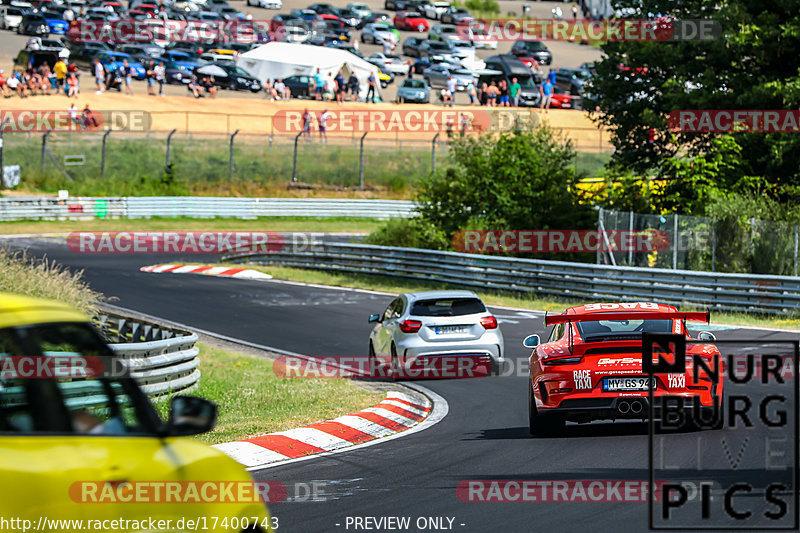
(489, 322)
(410, 326)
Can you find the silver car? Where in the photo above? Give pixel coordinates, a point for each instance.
(419, 327)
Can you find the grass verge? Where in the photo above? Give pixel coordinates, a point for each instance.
(308, 224)
(22, 274)
(387, 284)
(254, 401)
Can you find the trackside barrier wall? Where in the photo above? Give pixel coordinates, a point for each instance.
(161, 359)
(579, 281)
(80, 208)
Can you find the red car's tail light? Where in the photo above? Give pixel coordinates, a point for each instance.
(489, 322)
(410, 326)
(562, 361)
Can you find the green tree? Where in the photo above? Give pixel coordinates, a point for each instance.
(752, 65)
(516, 180)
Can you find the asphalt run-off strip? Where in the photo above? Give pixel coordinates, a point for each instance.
(398, 412)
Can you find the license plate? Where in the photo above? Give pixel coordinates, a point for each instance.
(627, 384)
(443, 330)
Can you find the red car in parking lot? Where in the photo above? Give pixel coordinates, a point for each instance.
(591, 367)
(411, 21)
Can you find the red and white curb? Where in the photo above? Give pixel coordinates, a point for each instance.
(239, 273)
(397, 413)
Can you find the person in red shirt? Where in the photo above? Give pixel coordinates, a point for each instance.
(3, 86)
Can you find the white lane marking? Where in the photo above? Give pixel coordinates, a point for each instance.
(249, 454)
(363, 425)
(315, 437)
(408, 408)
(394, 417)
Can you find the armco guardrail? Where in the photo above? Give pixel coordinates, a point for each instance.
(161, 359)
(584, 281)
(197, 207)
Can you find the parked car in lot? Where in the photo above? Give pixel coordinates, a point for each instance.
(82, 54)
(179, 72)
(572, 80)
(301, 86)
(526, 51)
(479, 38)
(455, 15)
(414, 91)
(411, 21)
(411, 46)
(65, 438)
(418, 326)
(395, 5)
(437, 76)
(10, 17)
(362, 9)
(440, 32)
(423, 63)
(389, 63)
(267, 4)
(350, 17)
(33, 24)
(141, 52)
(375, 18)
(378, 33)
(436, 48)
(434, 10)
(112, 61)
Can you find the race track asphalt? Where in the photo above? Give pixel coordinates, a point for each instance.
(485, 434)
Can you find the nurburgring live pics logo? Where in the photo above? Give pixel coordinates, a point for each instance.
(43, 120)
(734, 121)
(586, 30)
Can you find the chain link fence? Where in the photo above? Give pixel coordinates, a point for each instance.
(739, 245)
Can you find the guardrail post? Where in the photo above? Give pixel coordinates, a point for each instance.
(169, 145)
(44, 146)
(361, 164)
(3, 151)
(294, 164)
(230, 164)
(675, 242)
(433, 153)
(630, 228)
(103, 154)
(795, 249)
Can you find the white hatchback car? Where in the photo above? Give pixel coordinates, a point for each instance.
(420, 327)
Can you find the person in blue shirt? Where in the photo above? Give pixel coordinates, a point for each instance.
(371, 81)
(552, 76)
(341, 87)
(319, 85)
(547, 94)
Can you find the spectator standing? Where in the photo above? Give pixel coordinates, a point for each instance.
(60, 68)
(483, 97)
(330, 87)
(322, 121)
(574, 11)
(150, 78)
(161, 77)
(491, 95)
(464, 124)
(503, 89)
(341, 87)
(514, 91)
(471, 92)
(452, 86)
(319, 85)
(99, 76)
(353, 84)
(127, 75)
(547, 94)
(371, 88)
(306, 124)
(551, 76)
(410, 64)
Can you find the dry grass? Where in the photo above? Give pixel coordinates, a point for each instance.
(22, 274)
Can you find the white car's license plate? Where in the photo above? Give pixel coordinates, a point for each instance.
(626, 384)
(443, 330)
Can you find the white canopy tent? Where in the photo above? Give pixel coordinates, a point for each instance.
(280, 60)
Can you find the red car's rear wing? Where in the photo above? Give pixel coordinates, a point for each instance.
(698, 316)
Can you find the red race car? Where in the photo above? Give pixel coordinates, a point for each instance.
(591, 367)
(411, 21)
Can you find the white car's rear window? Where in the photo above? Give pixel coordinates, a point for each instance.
(447, 307)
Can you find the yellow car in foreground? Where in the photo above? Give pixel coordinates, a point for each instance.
(82, 448)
